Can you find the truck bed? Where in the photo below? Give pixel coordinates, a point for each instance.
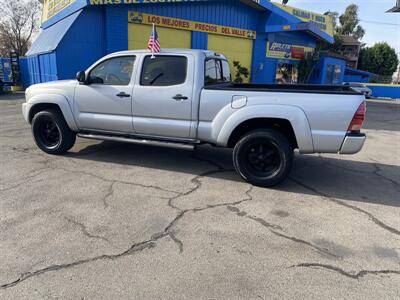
(286, 88)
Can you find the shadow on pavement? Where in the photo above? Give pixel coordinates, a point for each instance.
(339, 178)
(383, 116)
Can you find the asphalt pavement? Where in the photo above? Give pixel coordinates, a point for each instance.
(120, 221)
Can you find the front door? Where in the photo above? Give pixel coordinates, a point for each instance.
(162, 97)
(105, 102)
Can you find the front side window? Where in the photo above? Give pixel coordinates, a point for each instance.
(164, 71)
(113, 71)
(216, 71)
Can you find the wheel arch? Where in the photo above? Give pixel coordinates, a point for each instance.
(57, 102)
(291, 121)
(283, 126)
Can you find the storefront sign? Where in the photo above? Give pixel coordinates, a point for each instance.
(106, 2)
(325, 23)
(287, 51)
(53, 7)
(140, 18)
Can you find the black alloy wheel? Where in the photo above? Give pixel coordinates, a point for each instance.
(51, 132)
(263, 157)
(48, 133)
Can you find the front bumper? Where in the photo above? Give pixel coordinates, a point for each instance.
(25, 111)
(353, 143)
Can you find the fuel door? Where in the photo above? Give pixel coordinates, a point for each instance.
(238, 102)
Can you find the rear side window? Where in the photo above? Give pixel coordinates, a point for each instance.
(163, 71)
(216, 71)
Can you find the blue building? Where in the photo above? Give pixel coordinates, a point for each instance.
(268, 38)
(5, 71)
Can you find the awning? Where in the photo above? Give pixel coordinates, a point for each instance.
(396, 8)
(310, 28)
(49, 38)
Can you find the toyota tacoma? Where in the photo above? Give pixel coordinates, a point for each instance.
(187, 97)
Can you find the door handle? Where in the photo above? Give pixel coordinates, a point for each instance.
(179, 97)
(123, 95)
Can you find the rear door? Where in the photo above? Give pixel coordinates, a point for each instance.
(105, 102)
(162, 97)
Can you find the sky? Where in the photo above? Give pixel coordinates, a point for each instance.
(379, 25)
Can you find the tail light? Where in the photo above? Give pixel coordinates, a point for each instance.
(358, 119)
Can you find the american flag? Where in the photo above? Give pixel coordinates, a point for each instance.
(154, 44)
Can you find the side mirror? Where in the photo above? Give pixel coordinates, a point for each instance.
(81, 77)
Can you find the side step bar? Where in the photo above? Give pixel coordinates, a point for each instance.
(137, 141)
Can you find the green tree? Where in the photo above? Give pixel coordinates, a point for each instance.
(346, 24)
(380, 59)
(349, 23)
(306, 67)
(240, 71)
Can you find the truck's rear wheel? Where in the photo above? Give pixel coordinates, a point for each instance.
(51, 132)
(263, 157)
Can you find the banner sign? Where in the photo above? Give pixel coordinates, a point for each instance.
(287, 51)
(141, 18)
(106, 2)
(325, 23)
(53, 7)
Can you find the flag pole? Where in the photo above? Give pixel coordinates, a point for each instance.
(152, 49)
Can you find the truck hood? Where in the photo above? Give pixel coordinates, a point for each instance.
(54, 84)
(60, 87)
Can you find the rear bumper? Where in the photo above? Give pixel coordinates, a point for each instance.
(353, 143)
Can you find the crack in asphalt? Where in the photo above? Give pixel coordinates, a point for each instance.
(132, 250)
(196, 180)
(274, 227)
(47, 161)
(340, 271)
(177, 241)
(137, 247)
(375, 172)
(197, 185)
(169, 232)
(249, 198)
(27, 179)
(355, 208)
(38, 172)
(85, 231)
(110, 192)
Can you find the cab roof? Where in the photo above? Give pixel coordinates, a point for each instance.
(207, 53)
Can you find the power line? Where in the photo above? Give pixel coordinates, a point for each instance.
(379, 23)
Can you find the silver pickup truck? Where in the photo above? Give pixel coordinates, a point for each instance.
(187, 97)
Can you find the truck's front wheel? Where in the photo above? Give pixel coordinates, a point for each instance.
(263, 157)
(51, 132)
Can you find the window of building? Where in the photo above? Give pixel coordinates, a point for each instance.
(287, 74)
(333, 74)
(113, 71)
(164, 71)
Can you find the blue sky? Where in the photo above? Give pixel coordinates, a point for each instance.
(371, 12)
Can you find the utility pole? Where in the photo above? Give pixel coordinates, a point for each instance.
(398, 71)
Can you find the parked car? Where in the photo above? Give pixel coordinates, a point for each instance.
(360, 87)
(186, 97)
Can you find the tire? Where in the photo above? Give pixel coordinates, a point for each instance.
(263, 157)
(51, 132)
